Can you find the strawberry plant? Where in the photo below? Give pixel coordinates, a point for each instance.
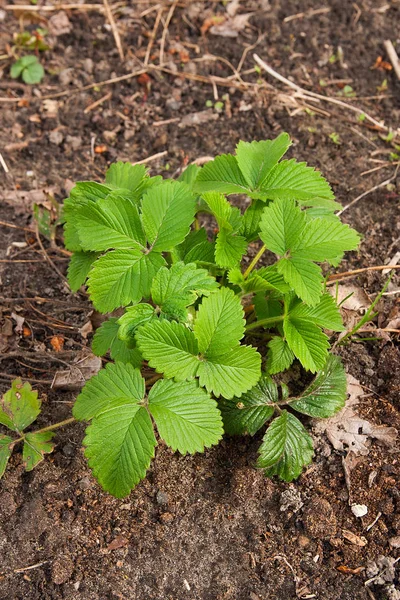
(202, 340)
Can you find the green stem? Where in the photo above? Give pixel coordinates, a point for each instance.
(263, 322)
(49, 428)
(254, 261)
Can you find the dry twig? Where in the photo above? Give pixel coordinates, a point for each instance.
(373, 189)
(114, 29)
(165, 30)
(392, 54)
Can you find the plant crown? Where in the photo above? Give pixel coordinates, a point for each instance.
(215, 334)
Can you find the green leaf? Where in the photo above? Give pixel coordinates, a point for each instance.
(187, 419)
(267, 307)
(325, 314)
(124, 175)
(326, 395)
(106, 338)
(5, 452)
(252, 284)
(308, 343)
(220, 208)
(134, 316)
(230, 374)
(79, 267)
(304, 277)
(29, 68)
(251, 220)
(324, 239)
(220, 322)
(221, 175)
(279, 357)
(120, 445)
(36, 445)
(248, 413)
(110, 223)
(170, 348)
(255, 159)
(293, 180)
(229, 249)
(121, 277)
(203, 253)
(274, 279)
(19, 406)
(286, 448)
(281, 224)
(182, 283)
(117, 382)
(82, 193)
(167, 212)
(189, 175)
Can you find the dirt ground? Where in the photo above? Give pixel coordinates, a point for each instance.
(207, 527)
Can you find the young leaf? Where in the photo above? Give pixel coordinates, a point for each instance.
(279, 357)
(219, 324)
(79, 267)
(36, 445)
(293, 180)
(308, 343)
(229, 249)
(121, 277)
(187, 418)
(19, 406)
(248, 413)
(281, 224)
(170, 348)
(110, 223)
(251, 220)
(286, 448)
(255, 159)
(120, 445)
(134, 316)
(326, 313)
(221, 175)
(230, 374)
(189, 175)
(116, 382)
(106, 339)
(167, 212)
(126, 176)
(5, 452)
(304, 277)
(326, 395)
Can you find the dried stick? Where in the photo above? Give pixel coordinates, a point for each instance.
(114, 29)
(97, 103)
(47, 257)
(150, 158)
(165, 30)
(373, 189)
(153, 36)
(337, 277)
(392, 54)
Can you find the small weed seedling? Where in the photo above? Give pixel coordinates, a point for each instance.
(28, 68)
(200, 338)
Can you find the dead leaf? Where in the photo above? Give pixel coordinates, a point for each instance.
(354, 539)
(348, 431)
(19, 323)
(231, 26)
(119, 542)
(357, 299)
(82, 369)
(349, 570)
(57, 342)
(86, 329)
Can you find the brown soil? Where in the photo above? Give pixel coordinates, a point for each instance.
(205, 527)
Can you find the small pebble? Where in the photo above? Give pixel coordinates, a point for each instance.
(359, 510)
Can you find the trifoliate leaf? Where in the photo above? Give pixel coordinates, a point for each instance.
(134, 316)
(110, 223)
(116, 382)
(229, 249)
(326, 395)
(187, 418)
(167, 213)
(221, 175)
(325, 239)
(251, 220)
(326, 313)
(230, 374)
(124, 175)
(279, 357)
(281, 223)
(308, 343)
(19, 406)
(219, 323)
(183, 283)
(5, 452)
(293, 180)
(79, 267)
(248, 413)
(286, 448)
(255, 159)
(36, 445)
(120, 445)
(170, 348)
(106, 339)
(121, 277)
(304, 277)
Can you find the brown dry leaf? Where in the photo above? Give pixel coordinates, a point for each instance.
(354, 539)
(119, 542)
(74, 378)
(348, 431)
(357, 301)
(59, 24)
(86, 329)
(57, 342)
(349, 570)
(231, 26)
(19, 323)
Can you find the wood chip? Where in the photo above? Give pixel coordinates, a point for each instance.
(354, 539)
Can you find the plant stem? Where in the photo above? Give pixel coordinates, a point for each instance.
(49, 428)
(254, 261)
(263, 322)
